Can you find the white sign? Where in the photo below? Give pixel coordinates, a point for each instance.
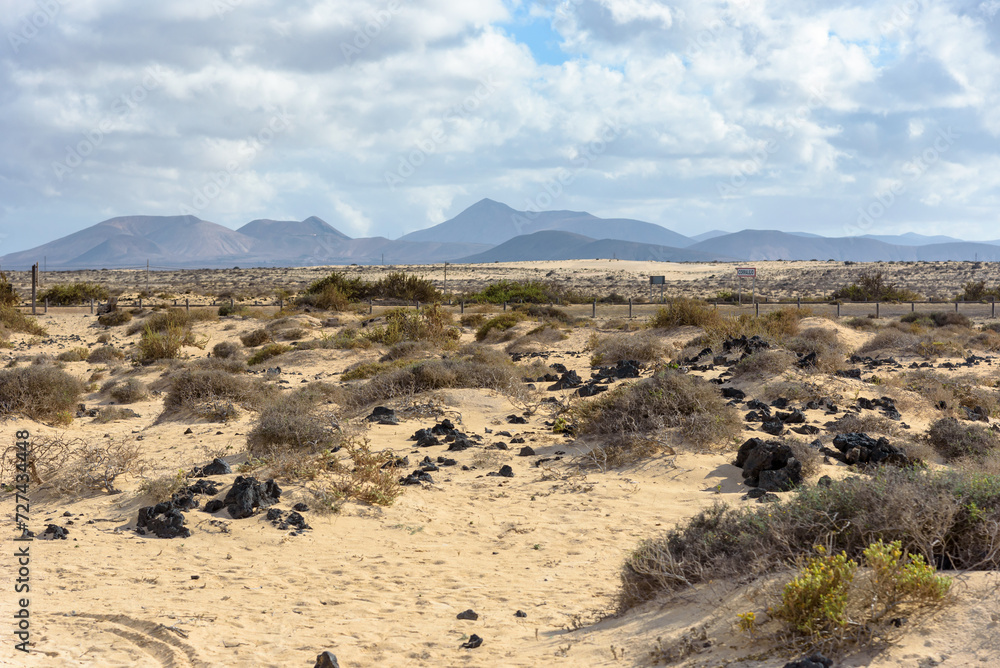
(746, 271)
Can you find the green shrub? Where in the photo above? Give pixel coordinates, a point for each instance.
(501, 322)
(267, 352)
(509, 292)
(399, 285)
(114, 318)
(39, 392)
(15, 321)
(873, 286)
(161, 344)
(8, 295)
(944, 516)
(430, 323)
(69, 294)
(685, 312)
(815, 602)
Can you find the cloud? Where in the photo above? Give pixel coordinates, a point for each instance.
(395, 115)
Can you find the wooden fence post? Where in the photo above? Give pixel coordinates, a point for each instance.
(629, 308)
(91, 304)
(593, 310)
(838, 309)
(876, 311)
(187, 304)
(46, 305)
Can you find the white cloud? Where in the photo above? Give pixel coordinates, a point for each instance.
(843, 94)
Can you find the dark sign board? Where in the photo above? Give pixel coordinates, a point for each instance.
(657, 280)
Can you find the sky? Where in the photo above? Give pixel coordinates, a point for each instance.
(384, 117)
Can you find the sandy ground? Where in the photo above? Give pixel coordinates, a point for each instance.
(381, 586)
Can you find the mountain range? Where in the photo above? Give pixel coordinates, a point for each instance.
(487, 231)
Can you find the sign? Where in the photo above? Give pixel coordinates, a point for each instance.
(657, 280)
(746, 271)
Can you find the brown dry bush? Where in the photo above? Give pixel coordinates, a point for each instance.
(162, 344)
(951, 518)
(364, 475)
(431, 323)
(953, 439)
(267, 352)
(830, 352)
(105, 355)
(365, 370)
(39, 392)
(12, 320)
(73, 355)
(191, 389)
(764, 364)
(472, 368)
(407, 350)
(685, 313)
(475, 320)
(113, 414)
(537, 339)
(96, 466)
(257, 337)
(347, 338)
(127, 391)
(225, 350)
(890, 340)
(114, 318)
(634, 415)
(292, 422)
(162, 321)
(643, 347)
(870, 423)
(161, 489)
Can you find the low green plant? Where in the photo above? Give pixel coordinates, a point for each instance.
(501, 322)
(69, 294)
(815, 601)
(267, 352)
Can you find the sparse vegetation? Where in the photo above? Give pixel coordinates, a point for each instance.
(71, 294)
(105, 355)
(764, 364)
(127, 391)
(73, 355)
(430, 323)
(628, 419)
(8, 295)
(947, 517)
(225, 350)
(953, 439)
(257, 337)
(191, 389)
(114, 318)
(337, 291)
(267, 352)
(40, 392)
(643, 347)
(874, 286)
(501, 322)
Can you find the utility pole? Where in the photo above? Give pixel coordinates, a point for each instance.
(147, 275)
(446, 277)
(34, 286)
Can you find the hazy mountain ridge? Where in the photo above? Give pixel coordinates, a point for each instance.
(487, 231)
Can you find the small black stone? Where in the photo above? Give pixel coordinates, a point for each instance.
(327, 660)
(469, 614)
(474, 642)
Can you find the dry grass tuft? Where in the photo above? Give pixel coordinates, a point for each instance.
(39, 392)
(643, 347)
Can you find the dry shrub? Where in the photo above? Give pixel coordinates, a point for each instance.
(127, 391)
(472, 320)
(643, 347)
(890, 340)
(68, 294)
(114, 318)
(685, 313)
(225, 350)
(539, 338)
(407, 350)
(474, 368)
(541, 312)
(104, 338)
(8, 295)
(855, 423)
(937, 319)
(170, 319)
(431, 323)
(764, 364)
(825, 343)
(191, 389)
(501, 323)
(162, 344)
(292, 422)
(13, 320)
(163, 488)
(105, 355)
(863, 324)
(267, 352)
(365, 370)
(291, 333)
(364, 476)
(113, 414)
(39, 392)
(953, 439)
(257, 337)
(96, 466)
(347, 338)
(951, 518)
(73, 355)
(628, 419)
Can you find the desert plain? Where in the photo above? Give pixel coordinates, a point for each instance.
(536, 551)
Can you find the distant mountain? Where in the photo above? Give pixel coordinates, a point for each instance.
(493, 223)
(704, 236)
(913, 239)
(775, 245)
(559, 245)
(187, 241)
(131, 240)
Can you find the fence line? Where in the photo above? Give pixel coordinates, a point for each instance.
(875, 309)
